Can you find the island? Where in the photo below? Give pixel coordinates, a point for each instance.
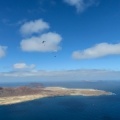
(13, 95)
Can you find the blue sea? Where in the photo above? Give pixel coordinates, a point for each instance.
(68, 107)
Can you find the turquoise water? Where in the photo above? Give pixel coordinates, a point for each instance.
(69, 107)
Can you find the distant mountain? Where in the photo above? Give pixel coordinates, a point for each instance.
(32, 88)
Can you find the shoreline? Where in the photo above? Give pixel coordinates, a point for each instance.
(53, 92)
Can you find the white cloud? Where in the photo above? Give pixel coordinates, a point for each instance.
(2, 51)
(81, 5)
(99, 50)
(40, 42)
(35, 26)
(23, 66)
(44, 43)
(65, 75)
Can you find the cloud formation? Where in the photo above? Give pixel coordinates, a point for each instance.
(65, 75)
(2, 51)
(23, 66)
(35, 26)
(99, 50)
(42, 42)
(48, 42)
(80, 5)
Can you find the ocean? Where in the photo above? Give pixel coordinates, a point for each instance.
(68, 107)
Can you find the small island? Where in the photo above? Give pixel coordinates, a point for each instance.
(13, 95)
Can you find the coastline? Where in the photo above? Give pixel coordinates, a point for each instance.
(53, 92)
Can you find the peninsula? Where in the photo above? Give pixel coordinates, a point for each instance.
(13, 95)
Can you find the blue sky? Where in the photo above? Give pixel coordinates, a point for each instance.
(55, 37)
